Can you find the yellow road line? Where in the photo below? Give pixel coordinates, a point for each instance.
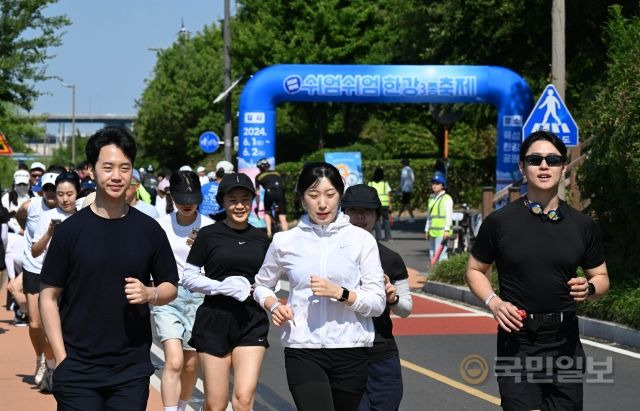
(450, 382)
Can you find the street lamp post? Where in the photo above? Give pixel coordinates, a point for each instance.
(73, 121)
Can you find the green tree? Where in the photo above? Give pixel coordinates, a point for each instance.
(176, 106)
(610, 176)
(26, 38)
(268, 32)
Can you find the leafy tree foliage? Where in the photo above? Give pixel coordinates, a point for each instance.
(516, 35)
(268, 32)
(609, 177)
(176, 107)
(26, 36)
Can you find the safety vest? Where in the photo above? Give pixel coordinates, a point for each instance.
(382, 193)
(437, 215)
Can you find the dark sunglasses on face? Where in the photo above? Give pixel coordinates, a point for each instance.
(552, 160)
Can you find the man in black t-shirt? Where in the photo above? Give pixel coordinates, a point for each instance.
(275, 204)
(96, 288)
(537, 243)
(384, 383)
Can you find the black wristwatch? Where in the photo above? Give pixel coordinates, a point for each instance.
(345, 295)
(592, 289)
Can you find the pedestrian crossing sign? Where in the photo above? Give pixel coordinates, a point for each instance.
(5, 148)
(551, 114)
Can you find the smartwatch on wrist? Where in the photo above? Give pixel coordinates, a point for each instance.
(345, 295)
(592, 289)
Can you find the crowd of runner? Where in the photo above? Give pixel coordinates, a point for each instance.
(95, 252)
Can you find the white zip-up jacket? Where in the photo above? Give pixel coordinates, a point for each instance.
(343, 253)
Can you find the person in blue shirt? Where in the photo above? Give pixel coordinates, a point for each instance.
(209, 205)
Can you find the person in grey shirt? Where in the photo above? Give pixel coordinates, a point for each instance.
(407, 178)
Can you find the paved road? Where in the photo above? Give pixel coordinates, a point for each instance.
(433, 343)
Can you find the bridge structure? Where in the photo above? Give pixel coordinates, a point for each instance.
(106, 119)
(44, 147)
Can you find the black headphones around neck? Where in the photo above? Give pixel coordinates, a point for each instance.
(553, 215)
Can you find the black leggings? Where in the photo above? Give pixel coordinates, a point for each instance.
(326, 379)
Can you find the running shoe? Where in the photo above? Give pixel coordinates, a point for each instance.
(20, 321)
(46, 385)
(41, 367)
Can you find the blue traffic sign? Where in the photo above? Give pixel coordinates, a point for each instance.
(209, 142)
(551, 114)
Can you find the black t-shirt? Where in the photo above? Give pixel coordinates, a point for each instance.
(225, 252)
(271, 181)
(384, 345)
(536, 257)
(90, 257)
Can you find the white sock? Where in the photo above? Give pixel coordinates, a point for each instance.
(51, 363)
(182, 405)
(172, 408)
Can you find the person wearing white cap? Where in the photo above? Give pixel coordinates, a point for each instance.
(31, 268)
(185, 168)
(202, 175)
(161, 198)
(19, 194)
(36, 170)
(224, 164)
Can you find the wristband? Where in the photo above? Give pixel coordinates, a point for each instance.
(155, 296)
(396, 301)
(489, 298)
(274, 306)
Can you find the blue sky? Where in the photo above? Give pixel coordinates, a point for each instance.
(105, 49)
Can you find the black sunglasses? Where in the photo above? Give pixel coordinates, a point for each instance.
(552, 160)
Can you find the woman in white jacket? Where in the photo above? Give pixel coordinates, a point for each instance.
(336, 287)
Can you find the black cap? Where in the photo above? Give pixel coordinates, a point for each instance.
(184, 187)
(361, 195)
(234, 180)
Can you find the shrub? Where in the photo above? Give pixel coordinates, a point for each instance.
(452, 271)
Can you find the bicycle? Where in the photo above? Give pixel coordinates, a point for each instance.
(466, 224)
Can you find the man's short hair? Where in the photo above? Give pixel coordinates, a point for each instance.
(118, 136)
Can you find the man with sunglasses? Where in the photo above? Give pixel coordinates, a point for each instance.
(36, 170)
(537, 243)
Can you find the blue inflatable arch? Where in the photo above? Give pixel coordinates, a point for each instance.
(499, 86)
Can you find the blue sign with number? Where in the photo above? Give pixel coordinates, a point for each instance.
(551, 114)
(209, 142)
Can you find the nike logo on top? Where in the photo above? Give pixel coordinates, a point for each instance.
(241, 242)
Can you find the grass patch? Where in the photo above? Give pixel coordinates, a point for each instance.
(621, 304)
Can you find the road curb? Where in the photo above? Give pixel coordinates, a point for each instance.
(589, 327)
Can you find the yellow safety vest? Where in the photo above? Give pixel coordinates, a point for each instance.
(382, 193)
(437, 215)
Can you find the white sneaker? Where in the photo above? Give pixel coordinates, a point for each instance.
(41, 367)
(46, 384)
